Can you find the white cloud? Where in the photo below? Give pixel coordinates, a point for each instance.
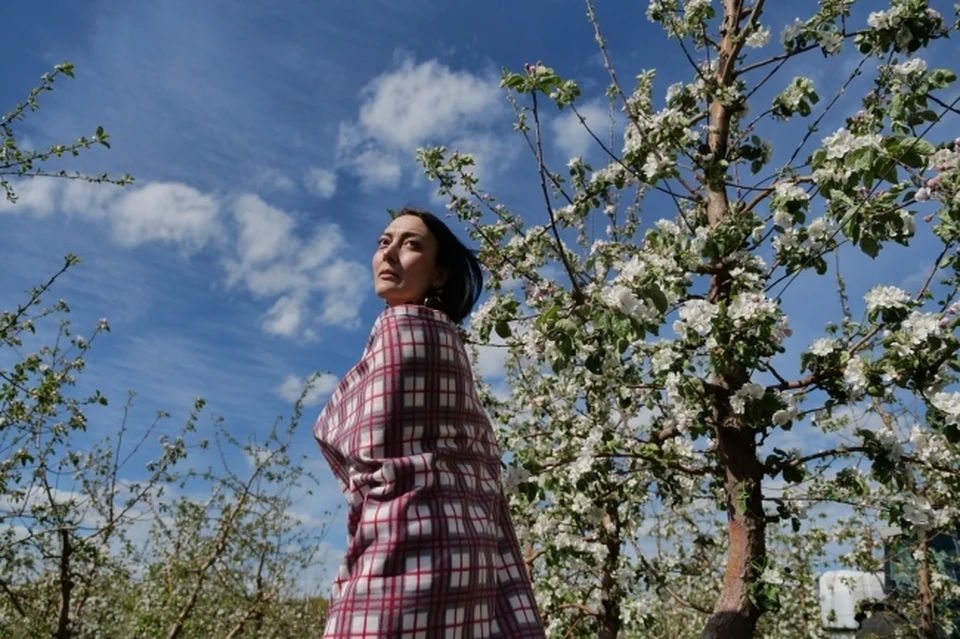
(260, 246)
(321, 182)
(416, 102)
(415, 105)
(285, 316)
(271, 260)
(292, 387)
(377, 168)
(167, 212)
(263, 230)
(36, 196)
(571, 138)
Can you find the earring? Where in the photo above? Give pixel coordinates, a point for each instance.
(433, 299)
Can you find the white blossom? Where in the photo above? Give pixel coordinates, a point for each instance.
(771, 575)
(919, 513)
(949, 403)
(782, 218)
(887, 297)
(633, 269)
(843, 142)
(663, 358)
(830, 174)
(819, 231)
(888, 439)
(885, 19)
(655, 164)
(749, 391)
(784, 416)
(800, 88)
(697, 316)
(674, 91)
(750, 306)
(790, 192)
(621, 298)
(759, 37)
(791, 31)
(831, 42)
(823, 346)
(855, 376)
(911, 67)
(668, 227)
(920, 326)
(513, 476)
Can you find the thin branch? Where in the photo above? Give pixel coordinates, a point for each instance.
(933, 272)
(14, 599)
(578, 295)
(948, 107)
(782, 56)
(694, 194)
(841, 451)
(810, 380)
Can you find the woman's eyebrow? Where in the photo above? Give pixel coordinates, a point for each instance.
(416, 234)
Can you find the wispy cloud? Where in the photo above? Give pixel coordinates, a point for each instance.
(272, 180)
(308, 281)
(292, 388)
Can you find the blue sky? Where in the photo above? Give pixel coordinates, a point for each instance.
(268, 139)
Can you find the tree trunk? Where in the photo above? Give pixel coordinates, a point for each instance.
(63, 630)
(734, 615)
(802, 568)
(928, 618)
(608, 619)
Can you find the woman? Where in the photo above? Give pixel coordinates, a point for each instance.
(431, 552)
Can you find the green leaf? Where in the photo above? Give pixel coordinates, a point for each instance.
(658, 298)
(502, 328)
(919, 146)
(794, 474)
(870, 246)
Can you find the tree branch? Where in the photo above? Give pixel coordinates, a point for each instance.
(578, 295)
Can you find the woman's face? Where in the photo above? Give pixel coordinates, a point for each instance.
(404, 266)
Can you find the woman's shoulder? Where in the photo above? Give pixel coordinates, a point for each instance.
(413, 315)
(416, 324)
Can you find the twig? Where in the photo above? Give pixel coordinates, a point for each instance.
(578, 295)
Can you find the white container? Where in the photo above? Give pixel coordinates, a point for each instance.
(841, 591)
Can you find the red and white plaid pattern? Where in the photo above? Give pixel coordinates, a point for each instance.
(431, 551)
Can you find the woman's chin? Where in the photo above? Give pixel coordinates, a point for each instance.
(390, 297)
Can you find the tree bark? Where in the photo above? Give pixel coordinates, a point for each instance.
(608, 620)
(734, 615)
(63, 630)
(928, 617)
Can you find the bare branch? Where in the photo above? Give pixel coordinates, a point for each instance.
(578, 295)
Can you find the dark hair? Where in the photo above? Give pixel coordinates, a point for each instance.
(464, 282)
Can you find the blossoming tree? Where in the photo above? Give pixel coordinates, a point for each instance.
(648, 363)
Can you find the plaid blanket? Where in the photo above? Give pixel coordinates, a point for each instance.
(431, 550)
